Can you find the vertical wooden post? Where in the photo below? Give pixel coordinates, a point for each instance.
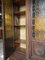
(29, 31)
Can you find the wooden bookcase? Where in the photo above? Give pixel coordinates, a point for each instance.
(34, 17)
(24, 29)
(21, 30)
(17, 29)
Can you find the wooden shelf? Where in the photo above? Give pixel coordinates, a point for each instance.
(20, 40)
(19, 13)
(17, 41)
(20, 26)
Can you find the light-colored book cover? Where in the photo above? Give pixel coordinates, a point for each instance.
(23, 33)
(23, 8)
(22, 20)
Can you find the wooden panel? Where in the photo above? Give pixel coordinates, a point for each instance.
(8, 28)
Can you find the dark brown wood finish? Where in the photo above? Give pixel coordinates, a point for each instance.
(29, 31)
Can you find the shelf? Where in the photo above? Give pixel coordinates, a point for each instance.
(20, 41)
(20, 26)
(17, 41)
(19, 13)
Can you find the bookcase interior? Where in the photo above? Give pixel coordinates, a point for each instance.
(19, 18)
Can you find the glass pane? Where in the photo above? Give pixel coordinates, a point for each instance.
(38, 20)
(8, 28)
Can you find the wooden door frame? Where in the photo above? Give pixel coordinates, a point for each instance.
(29, 28)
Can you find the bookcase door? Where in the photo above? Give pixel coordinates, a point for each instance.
(38, 29)
(8, 28)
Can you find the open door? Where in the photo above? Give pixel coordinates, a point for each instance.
(8, 28)
(38, 30)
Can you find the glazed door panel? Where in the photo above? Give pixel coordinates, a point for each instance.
(38, 29)
(8, 28)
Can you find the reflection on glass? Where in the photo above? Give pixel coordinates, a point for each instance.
(38, 21)
(8, 19)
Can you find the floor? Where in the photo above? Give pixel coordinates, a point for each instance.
(1, 49)
(19, 54)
